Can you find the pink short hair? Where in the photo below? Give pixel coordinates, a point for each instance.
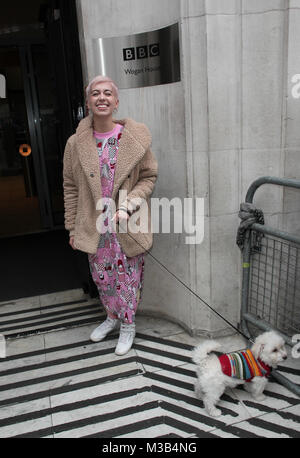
(102, 79)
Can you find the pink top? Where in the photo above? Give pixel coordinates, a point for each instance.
(106, 135)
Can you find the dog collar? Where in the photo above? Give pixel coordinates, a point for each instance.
(265, 369)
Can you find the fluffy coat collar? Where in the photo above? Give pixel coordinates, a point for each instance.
(135, 141)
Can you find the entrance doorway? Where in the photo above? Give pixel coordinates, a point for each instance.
(35, 118)
(30, 154)
(41, 103)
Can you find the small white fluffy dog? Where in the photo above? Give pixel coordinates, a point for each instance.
(249, 367)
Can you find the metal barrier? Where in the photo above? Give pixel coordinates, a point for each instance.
(271, 279)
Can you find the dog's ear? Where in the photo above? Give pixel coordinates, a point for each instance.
(258, 346)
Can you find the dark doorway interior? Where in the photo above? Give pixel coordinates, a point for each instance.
(37, 264)
(43, 103)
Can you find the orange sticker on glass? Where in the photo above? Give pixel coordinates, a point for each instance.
(25, 150)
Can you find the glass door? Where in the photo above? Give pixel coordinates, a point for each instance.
(19, 203)
(49, 135)
(31, 152)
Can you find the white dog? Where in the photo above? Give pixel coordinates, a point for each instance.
(249, 367)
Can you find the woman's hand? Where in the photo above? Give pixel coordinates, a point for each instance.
(120, 216)
(71, 242)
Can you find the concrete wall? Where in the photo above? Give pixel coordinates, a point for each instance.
(229, 120)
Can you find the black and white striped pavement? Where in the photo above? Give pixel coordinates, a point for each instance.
(54, 382)
(51, 312)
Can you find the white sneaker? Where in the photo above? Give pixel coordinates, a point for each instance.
(105, 328)
(127, 334)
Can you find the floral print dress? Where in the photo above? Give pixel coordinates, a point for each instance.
(119, 279)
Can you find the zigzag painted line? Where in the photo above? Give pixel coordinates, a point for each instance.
(101, 400)
(66, 316)
(167, 406)
(163, 390)
(62, 325)
(149, 423)
(58, 315)
(42, 308)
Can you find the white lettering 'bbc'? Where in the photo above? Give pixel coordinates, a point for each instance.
(142, 52)
(2, 87)
(129, 54)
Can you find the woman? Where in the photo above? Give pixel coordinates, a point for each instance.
(109, 175)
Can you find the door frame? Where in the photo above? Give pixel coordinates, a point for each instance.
(62, 43)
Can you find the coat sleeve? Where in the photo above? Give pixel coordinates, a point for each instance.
(143, 189)
(70, 190)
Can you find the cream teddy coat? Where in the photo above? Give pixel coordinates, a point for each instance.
(135, 173)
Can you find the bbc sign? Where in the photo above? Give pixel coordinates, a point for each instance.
(141, 52)
(143, 59)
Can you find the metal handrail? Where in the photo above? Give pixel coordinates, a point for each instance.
(290, 182)
(247, 317)
(275, 232)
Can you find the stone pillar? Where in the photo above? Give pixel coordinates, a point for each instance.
(214, 132)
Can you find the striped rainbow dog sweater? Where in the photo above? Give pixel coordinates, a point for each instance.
(243, 365)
